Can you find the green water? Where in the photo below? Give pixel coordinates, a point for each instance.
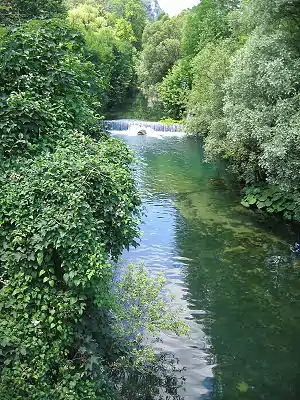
(230, 269)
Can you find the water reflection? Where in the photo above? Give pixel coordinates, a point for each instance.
(232, 274)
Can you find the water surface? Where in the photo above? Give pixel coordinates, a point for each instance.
(230, 270)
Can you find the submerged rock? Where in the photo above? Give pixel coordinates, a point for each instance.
(296, 249)
(142, 132)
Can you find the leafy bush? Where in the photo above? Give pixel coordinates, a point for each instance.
(273, 200)
(170, 121)
(62, 215)
(47, 85)
(144, 309)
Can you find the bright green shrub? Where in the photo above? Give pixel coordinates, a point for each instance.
(46, 85)
(62, 215)
(145, 309)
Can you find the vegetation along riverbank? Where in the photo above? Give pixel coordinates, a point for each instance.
(71, 325)
(231, 69)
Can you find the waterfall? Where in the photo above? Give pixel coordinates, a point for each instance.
(127, 124)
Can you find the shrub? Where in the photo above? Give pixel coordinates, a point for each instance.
(273, 200)
(62, 216)
(46, 85)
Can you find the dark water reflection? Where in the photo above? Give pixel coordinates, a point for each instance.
(232, 274)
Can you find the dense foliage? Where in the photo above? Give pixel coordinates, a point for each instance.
(46, 88)
(17, 11)
(174, 90)
(161, 49)
(68, 207)
(61, 215)
(243, 59)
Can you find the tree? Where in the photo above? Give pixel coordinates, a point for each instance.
(174, 90)
(206, 23)
(205, 105)
(262, 110)
(161, 50)
(135, 14)
(110, 40)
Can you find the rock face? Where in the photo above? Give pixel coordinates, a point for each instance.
(153, 9)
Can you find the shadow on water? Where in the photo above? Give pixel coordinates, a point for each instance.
(233, 274)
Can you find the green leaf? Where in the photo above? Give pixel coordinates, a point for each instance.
(40, 258)
(251, 200)
(242, 387)
(244, 203)
(260, 204)
(262, 197)
(290, 206)
(268, 202)
(23, 351)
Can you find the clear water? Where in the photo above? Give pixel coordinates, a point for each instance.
(231, 271)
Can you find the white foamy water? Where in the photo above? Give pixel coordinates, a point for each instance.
(132, 127)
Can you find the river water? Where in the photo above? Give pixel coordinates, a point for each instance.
(230, 270)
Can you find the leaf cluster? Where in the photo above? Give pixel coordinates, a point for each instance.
(273, 200)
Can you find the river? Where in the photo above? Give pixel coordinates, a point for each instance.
(230, 269)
